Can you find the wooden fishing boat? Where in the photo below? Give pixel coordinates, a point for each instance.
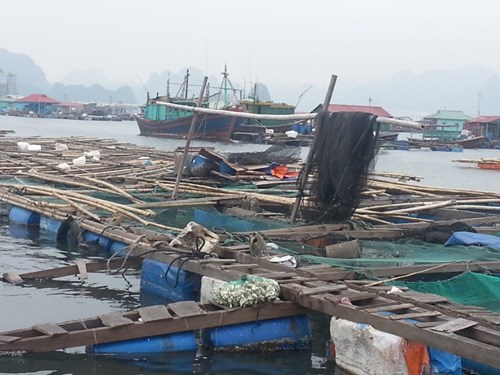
(473, 142)
(159, 120)
(208, 126)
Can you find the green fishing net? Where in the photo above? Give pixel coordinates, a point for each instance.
(468, 288)
(408, 252)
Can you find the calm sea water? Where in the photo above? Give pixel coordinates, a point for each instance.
(23, 250)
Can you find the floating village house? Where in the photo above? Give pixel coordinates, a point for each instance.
(7, 102)
(39, 104)
(487, 126)
(374, 110)
(444, 124)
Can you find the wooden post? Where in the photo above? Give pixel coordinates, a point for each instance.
(307, 166)
(188, 140)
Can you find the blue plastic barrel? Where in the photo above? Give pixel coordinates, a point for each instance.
(201, 166)
(116, 247)
(49, 224)
(175, 342)
(225, 168)
(172, 283)
(288, 333)
(22, 216)
(96, 238)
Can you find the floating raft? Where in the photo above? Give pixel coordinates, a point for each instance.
(126, 175)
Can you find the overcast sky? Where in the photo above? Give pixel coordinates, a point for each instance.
(274, 41)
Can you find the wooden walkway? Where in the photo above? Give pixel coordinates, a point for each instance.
(143, 322)
(433, 320)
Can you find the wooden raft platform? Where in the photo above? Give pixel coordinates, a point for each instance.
(143, 322)
(433, 320)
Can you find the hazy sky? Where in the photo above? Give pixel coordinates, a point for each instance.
(276, 41)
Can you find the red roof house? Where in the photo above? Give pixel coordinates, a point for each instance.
(39, 104)
(376, 111)
(488, 126)
(37, 98)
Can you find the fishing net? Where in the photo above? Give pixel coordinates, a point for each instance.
(342, 155)
(379, 254)
(468, 288)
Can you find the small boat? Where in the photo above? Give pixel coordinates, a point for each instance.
(472, 142)
(489, 164)
(483, 163)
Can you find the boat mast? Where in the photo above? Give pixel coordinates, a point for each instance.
(187, 85)
(224, 80)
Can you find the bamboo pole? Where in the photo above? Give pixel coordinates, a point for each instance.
(407, 275)
(189, 138)
(295, 117)
(422, 208)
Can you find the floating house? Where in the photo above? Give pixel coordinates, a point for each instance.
(487, 126)
(7, 102)
(39, 104)
(444, 124)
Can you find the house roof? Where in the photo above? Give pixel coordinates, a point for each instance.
(37, 98)
(448, 115)
(485, 119)
(376, 111)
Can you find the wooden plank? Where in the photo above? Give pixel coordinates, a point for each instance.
(8, 339)
(276, 275)
(82, 269)
(427, 324)
(323, 289)
(113, 320)
(153, 313)
(296, 280)
(415, 315)
(402, 306)
(489, 317)
(186, 308)
(73, 269)
(351, 296)
(454, 325)
(237, 266)
(49, 329)
(424, 297)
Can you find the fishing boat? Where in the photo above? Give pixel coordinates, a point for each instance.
(472, 142)
(159, 120)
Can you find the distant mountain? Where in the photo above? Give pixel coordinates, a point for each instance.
(31, 80)
(471, 89)
(29, 76)
(94, 93)
(462, 89)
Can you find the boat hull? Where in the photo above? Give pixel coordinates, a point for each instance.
(494, 166)
(474, 142)
(208, 126)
